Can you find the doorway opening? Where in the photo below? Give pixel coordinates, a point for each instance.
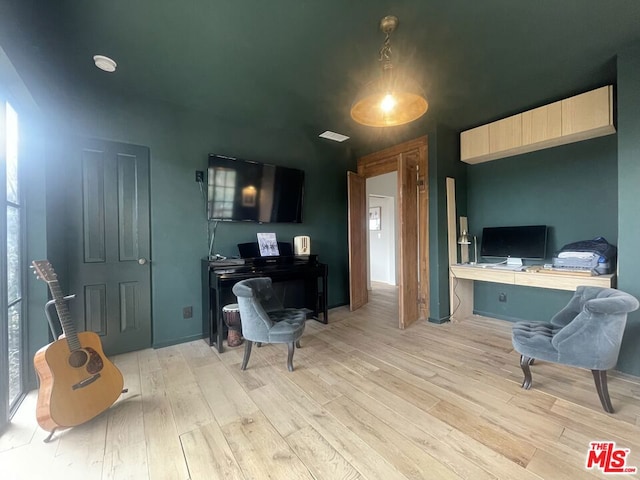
(409, 161)
(382, 238)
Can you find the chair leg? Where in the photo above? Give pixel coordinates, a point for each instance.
(247, 354)
(298, 344)
(292, 347)
(524, 364)
(600, 378)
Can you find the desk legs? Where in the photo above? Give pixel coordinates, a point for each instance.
(216, 329)
(460, 298)
(325, 307)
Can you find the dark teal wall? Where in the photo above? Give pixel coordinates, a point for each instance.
(571, 188)
(444, 153)
(628, 194)
(179, 142)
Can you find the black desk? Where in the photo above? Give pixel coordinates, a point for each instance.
(218, 279)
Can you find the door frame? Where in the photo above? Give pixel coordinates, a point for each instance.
(389, 160)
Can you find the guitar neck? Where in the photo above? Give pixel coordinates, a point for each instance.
(68, 327)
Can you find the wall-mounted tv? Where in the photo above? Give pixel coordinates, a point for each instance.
(515, 242)
(246, 191)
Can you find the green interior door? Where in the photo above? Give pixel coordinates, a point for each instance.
(108, 255)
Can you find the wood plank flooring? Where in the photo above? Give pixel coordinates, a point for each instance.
(366, 401)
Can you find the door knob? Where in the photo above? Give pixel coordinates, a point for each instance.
(142, 261)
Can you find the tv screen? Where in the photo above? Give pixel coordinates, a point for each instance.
(246, 191)
(516, 242)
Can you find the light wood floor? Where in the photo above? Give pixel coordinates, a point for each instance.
(366, 401)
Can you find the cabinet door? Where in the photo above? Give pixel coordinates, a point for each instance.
(505, 134)
(589, 111)
(474, 143)
(542, 124)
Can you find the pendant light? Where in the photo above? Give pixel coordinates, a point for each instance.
(392, 99)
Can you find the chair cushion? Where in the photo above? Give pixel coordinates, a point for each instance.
(288, 314)
(533, 339)
(288, 325)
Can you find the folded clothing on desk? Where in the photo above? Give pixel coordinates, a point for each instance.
(595, 255)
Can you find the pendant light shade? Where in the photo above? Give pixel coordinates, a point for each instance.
(392, 99)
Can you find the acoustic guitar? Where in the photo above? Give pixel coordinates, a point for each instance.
(77, 380)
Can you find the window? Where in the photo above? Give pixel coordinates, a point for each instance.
(11, 281)
(222, 200)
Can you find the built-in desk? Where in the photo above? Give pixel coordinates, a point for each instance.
(463, 276)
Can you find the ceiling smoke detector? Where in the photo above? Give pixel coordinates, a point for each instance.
(105, 63)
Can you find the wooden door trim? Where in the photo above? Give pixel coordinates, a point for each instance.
(357, 223)
(386, 161)
(407, 181)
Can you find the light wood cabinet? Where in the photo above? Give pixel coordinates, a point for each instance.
(505, 134)
(580, 117)
(588, 112)
(474, 142)
(542, 124)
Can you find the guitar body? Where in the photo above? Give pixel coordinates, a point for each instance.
(75, 386)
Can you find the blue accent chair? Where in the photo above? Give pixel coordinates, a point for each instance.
(265, 320)
(587, 333)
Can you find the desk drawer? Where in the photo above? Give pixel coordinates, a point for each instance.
(483, 274)
(560, 281)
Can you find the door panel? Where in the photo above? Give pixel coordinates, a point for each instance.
(356, 191)
(109, 216)
(93, 227)
(408, 207)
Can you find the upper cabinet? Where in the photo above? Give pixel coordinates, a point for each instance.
(542, 124)
(583, 116)
(474, 143)
(588, 115)
(505, 134)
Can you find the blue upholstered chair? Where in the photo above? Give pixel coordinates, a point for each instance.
(265, 320)
(587, 333)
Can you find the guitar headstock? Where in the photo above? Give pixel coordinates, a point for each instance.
(44, 270)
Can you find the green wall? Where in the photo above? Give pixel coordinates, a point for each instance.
(628, 191)
(571, 188)
(179, 142)
(444, 152)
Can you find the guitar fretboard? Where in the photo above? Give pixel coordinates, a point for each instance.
(68, 326)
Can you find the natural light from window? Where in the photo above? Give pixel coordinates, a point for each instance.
(14, 280)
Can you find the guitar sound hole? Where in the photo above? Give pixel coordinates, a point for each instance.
(78, 358)
(95, 362)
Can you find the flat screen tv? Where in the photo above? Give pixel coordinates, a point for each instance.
(515, 242)
(245, 191)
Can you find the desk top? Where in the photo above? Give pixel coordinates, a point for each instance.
(541, 278)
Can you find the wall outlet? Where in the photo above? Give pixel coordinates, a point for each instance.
(187, 312)
(502, 297)
(199, 176)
